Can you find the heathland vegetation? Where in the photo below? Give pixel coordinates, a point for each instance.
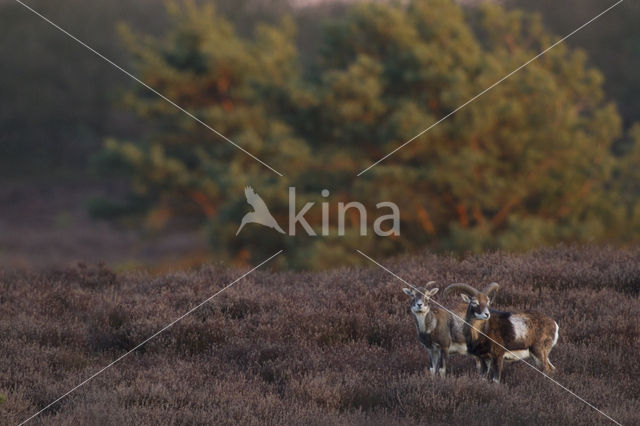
(334, 347)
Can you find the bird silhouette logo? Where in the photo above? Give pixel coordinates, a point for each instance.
(260, 214)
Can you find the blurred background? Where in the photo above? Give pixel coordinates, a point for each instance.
(95, 168)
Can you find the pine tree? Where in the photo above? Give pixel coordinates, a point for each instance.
(526, 164)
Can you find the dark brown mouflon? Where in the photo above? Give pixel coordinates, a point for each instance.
(494, 336)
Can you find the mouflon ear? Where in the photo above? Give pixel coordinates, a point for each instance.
(432, 291)
(466, 298)
(408, 292)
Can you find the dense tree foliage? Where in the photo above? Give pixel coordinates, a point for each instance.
(529, 163)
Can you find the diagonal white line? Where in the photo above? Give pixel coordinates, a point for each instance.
(491, 87)
(152, 336)
(479, 331)
(149, 87)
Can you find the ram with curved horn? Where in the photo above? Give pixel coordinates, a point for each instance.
(494, 336)
(440, 332)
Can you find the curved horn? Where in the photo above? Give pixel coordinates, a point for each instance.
(462, 287)
(430, 283)
(491, 290)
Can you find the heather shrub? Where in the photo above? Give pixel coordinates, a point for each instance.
(337, 347)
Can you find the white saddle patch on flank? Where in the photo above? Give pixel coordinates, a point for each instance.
(519, 327)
